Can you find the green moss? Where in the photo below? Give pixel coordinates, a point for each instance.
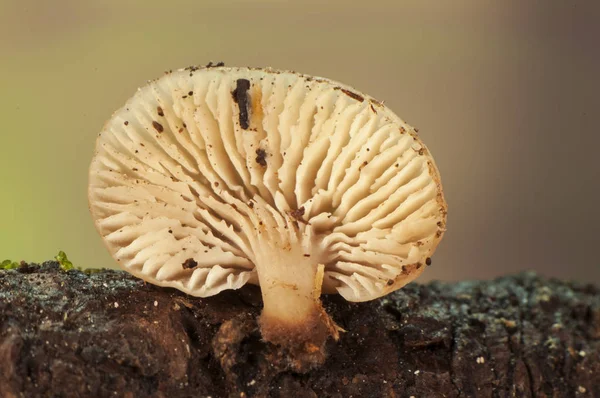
(66, 264)
(63, 260)
(8, 264)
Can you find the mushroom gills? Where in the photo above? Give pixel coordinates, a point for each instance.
(211, 178)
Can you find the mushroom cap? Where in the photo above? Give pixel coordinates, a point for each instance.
(203, 167)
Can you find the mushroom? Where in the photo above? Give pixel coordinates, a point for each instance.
(211, 178)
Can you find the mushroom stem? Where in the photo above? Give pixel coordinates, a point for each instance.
(293, 316)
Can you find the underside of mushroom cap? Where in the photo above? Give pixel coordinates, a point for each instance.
(208, 175)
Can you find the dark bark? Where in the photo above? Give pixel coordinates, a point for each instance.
(72, 334)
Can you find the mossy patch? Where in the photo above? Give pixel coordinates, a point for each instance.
(8, 264)
(63, 260)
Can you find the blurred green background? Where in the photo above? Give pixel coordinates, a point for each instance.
(506, 95)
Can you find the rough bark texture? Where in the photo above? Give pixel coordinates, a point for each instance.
(70, 334)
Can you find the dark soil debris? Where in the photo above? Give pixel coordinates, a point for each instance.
(353, 95)
(240, 97)
(298, 213)
(189, 263)
(157, 126)
(261, 157)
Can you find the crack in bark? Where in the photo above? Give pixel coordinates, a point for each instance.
(452, 349)
(480, 298)
(510, 388)
(490, 358)
(522, 319)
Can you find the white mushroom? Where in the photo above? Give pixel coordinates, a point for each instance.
(211, 178)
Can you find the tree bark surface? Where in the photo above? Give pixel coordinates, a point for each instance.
(106, 334)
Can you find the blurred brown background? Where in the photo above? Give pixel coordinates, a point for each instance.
(506, 95)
